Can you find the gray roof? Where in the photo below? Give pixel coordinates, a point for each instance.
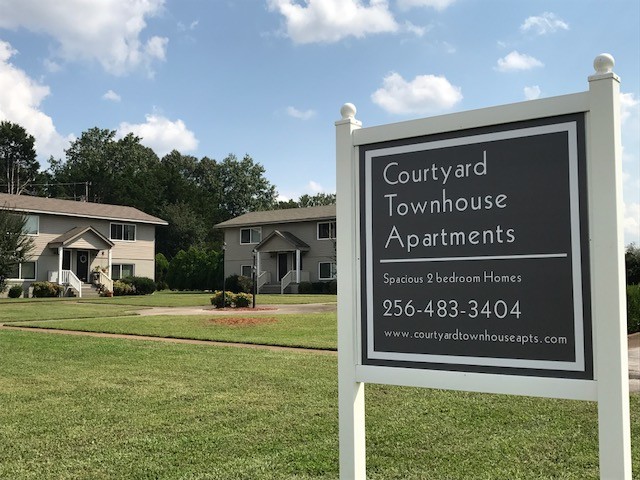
(288, 215)
(55, 206)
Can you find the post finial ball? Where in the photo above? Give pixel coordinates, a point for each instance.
(348, 110)
(604, 63)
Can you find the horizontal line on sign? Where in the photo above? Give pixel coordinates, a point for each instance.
(481, 257)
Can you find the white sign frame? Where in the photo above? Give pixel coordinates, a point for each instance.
(610, 386)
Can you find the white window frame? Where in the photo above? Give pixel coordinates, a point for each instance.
(242, 267)
(35, 271)
(332, 230)
(333, 269)
(135, 231)
(118, 267)
(251, 239)
(37, 224)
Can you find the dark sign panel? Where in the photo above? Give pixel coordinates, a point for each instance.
(475, 253)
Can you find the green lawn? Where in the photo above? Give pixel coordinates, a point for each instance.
(53, 310)
(317, 330)
(94, 408)
(196, 299)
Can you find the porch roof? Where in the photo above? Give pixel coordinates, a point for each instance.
(278, 241)
(87, 233)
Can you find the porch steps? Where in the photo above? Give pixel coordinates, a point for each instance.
(88, 291)
(274, 288)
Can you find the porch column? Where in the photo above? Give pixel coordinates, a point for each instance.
(257, 264)
(109, 263)
(297, 265)
(60, 250)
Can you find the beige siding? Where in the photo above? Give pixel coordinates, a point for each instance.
(237, 255)
(140, 252)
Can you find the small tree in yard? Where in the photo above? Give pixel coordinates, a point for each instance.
(14, 246)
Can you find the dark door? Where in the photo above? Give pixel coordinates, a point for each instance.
(283, 265)
(82, 265)
(66, 259)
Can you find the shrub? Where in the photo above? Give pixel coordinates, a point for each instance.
(15, 291)
(143, 285)
(333, 287)
(218, 298)
(121, 287)
(238, 300)
(162, 285)
(195, 269)
(242, 300)
(633, 308)
(46, 289)
(238, 284)
(305, 288)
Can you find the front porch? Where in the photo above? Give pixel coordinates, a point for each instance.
(278, 263)
(84, 261)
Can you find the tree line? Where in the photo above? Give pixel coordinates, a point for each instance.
(191, 194)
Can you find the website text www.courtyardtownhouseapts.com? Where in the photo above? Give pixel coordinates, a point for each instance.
(485, 336)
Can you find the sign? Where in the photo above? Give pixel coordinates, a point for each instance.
(475, 252)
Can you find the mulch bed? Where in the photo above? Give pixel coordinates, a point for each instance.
(242, 321)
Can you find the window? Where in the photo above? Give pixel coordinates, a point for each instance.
(32, 225)
(123, 231)
(326, 230)
(326, 270)
(119, 271)
(24, 271)
(250, 235)
(246, 270)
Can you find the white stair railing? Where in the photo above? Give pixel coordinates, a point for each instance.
(105, 280)
(263, 278)
(287, 280)
(69, 278)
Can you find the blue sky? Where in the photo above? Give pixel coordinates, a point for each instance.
(268, 77)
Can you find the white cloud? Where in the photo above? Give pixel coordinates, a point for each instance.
(192, 26)
(302, 115)
(311, 188)
(531, 93)
(424, 94)
(632, 223)
(20, 99)
(416, 30)
(628, 106)
(108, 31)
(161, 134)
(543, 24)
(314, 187)
(51, 66)
(328, 21)
(516, 61)
(111, 96)
(438, 5)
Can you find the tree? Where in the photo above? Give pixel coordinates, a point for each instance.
(120, 172)
(18, 164)
(243, 187)
(307, 200)
(14, 246)
(632, 264)
(317, 200)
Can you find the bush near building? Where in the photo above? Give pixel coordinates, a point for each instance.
(46, 289)
(15, 291)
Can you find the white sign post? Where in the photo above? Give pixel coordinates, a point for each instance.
(447, 264)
